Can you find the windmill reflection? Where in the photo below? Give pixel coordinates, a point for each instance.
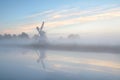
(41, 57)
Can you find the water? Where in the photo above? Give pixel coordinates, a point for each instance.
(42, 64)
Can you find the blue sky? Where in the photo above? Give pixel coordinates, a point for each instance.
(60, 16)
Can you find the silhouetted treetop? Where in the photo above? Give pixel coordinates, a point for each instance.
(23, 35)
(73, 36)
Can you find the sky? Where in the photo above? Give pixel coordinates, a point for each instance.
(84, 17)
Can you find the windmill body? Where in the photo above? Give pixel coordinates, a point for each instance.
(42, 35)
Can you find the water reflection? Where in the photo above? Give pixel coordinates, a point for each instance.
(41, 56)
(36, 64)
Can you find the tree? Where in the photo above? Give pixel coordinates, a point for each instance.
(7, 36)
(1, 36)
(73, 36)
(14, 36)
(35, 36)
(23, 35)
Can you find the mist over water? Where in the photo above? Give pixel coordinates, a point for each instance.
(60, 59)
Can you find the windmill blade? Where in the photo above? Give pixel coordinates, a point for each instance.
(38, 29)
(42, 26)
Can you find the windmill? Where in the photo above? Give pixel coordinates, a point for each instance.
(40, 30)
(42, 42)
(42, 34)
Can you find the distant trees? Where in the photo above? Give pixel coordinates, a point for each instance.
(23, 35)
(35, 37)
(1, 36)
(73, 36)
(14, 36)
(5, 36)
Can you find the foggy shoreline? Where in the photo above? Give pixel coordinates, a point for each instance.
(65, 47)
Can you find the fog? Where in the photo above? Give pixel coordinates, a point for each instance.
(59, 58)
(69, 43)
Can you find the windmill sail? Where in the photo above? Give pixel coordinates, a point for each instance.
(42, 35)
(40, 29)
(42, 26)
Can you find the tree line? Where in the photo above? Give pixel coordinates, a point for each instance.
(22, 35)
